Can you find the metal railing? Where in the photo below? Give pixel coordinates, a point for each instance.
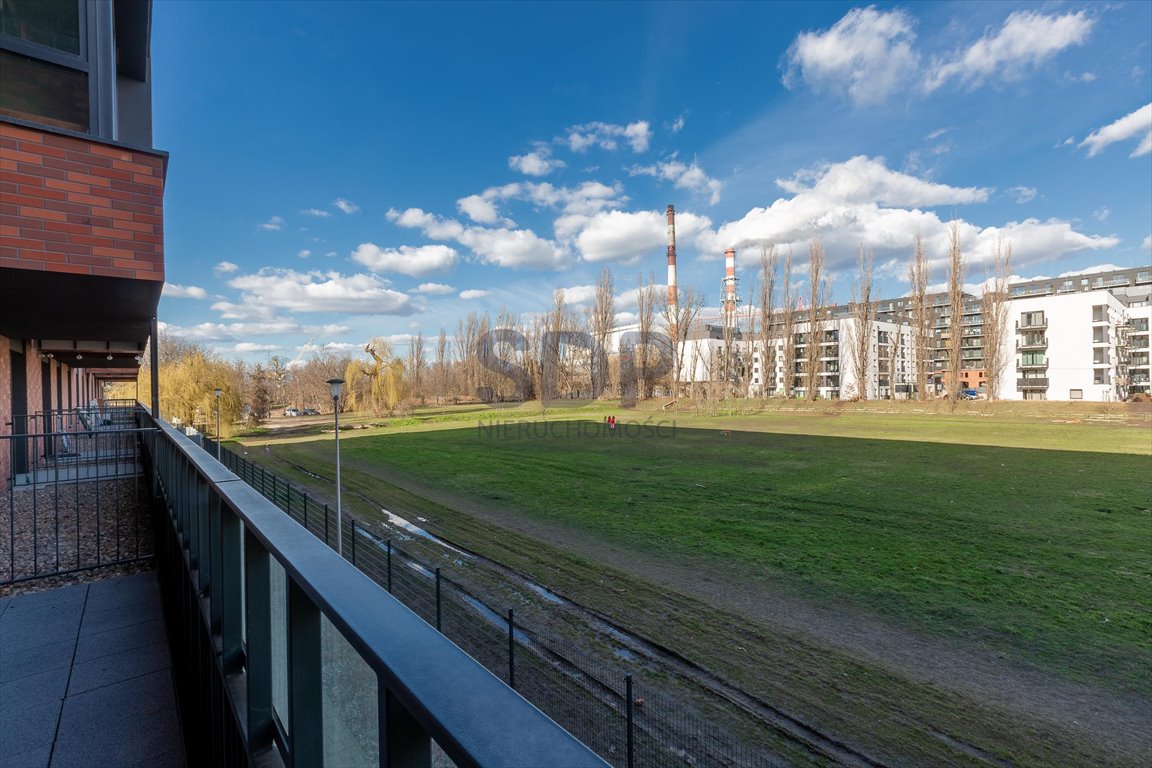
(287, 654)
(72, 500)
(1035, 383)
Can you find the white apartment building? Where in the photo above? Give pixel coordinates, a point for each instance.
(758, 371)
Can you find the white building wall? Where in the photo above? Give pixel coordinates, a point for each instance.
(1083, 357)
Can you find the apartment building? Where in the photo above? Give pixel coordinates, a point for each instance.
(81, 206)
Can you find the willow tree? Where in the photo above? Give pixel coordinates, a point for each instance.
(378, 386)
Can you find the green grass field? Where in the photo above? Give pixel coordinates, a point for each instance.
(1028, 534)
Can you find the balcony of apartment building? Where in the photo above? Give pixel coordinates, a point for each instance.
(240, 639)
(1032, 342)
(1032, 321)
(1032, 383)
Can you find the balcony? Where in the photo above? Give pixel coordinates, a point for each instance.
(1034, 324)
(283, 653)
(1040, 366)
(1029, 345)
(1022, 384)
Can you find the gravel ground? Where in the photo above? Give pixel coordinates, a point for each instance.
(54, 528)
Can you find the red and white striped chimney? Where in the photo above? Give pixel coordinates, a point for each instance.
(673, 298)
(730, 297)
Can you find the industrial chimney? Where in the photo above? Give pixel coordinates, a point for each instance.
(731, 297)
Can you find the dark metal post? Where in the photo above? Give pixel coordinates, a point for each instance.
(305, 511)
(258, 606)
(154, 354)
(437, 599)
(403, 743)
(325, 523)
(353, 541)
(511, 649)
(389, 566)
(305, 699)
(628, 708)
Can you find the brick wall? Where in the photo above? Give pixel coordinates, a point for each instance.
(78, 206)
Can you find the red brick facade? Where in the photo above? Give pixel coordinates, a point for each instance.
(74, 205)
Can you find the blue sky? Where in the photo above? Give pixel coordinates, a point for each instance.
(347, 170)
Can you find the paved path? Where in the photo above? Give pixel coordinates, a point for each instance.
(86, 678)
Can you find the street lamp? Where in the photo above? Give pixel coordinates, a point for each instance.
(336, 384)
(217, 423)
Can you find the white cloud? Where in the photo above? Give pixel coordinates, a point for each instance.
(868, 54)
(1138, 123)
(472, 293)
(682, 176)
(1087, 271)
(316, 213)
(235, 332)
(434, 288)
(1026, 40)
(514, 248)
(1147, 244)
(863, 203)
(407, 260)
(677, 125)
(225, 267)
(322, 292)
(627, 237)
(478, 209)
(432, 226)
(503, 247)
(274, 224)
(607, 136)
(579, 294)
(1023, 194)
(1101, 214)
(538, 162)
(864, 179)
(346, 206)
(174, 291)
(245, 347)
(303, 254)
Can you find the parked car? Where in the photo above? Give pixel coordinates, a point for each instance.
(969, 394)
(291, 412)
(309, 412)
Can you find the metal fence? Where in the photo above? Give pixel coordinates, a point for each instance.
(286, 655)
(631, 711)
(75, 497)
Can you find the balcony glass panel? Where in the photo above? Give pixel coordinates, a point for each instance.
(351, 702)
(279, 600)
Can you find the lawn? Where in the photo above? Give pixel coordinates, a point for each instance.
(1025, 534)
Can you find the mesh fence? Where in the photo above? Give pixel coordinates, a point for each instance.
(584, 686)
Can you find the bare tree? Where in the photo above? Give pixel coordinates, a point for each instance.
(863, 314)
(645, 315)
(994, 311)
(788, 327)
(956, 310)
(921, 317)
(767, 291)
(440, 372)
(417, 367)
(603, 314)
(817, 295)
(679, 319)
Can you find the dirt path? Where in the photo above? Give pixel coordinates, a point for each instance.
(1121, 723)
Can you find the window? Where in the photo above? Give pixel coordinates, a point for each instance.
(1100, 376)
(1032, 358)
(1099, 335)
(1075, 394)
(53, 23)
(44, 73)
(1100, 357)
(1100, 314)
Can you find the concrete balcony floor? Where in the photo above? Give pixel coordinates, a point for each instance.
(86, 678)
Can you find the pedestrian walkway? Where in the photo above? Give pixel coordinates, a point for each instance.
(86, 678)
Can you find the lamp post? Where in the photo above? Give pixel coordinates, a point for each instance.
(336, 384)
(217, 423)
